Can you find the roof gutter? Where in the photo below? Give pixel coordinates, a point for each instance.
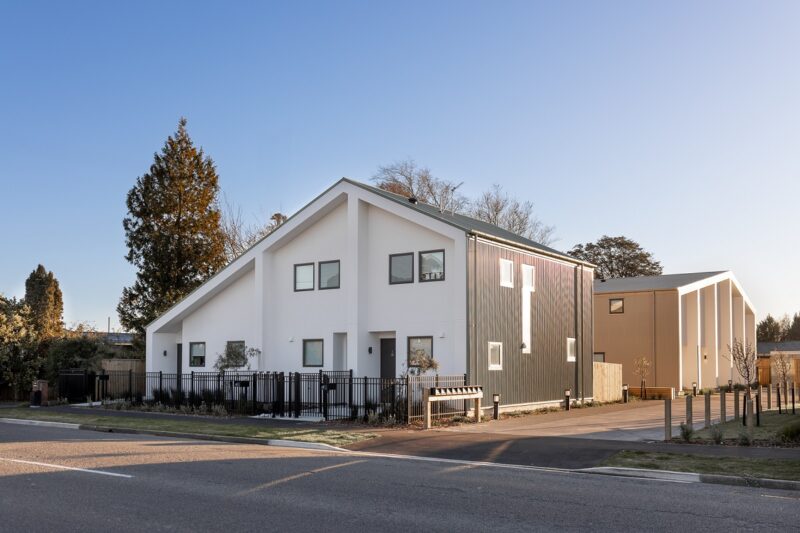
(513, 244)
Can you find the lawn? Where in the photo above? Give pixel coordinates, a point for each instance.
(203, 425)
(731, 466)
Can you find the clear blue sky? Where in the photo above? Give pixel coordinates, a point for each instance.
(676, 124)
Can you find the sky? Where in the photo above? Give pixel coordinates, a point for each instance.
(673, 123)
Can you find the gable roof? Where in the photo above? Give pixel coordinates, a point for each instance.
(468, 224)
(652, 283)
(786, 346)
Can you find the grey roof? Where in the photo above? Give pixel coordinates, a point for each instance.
(651, 283)
(786, 346)
(468, 224)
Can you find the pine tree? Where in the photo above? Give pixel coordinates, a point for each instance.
(793, 333)
(172, 230)
(43, 298)
(617, 257)
(769, 330)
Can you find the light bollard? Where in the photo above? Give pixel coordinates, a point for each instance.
(625, 392)
(567, 394)
(496, 400)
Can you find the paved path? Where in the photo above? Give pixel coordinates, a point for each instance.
(68, 480)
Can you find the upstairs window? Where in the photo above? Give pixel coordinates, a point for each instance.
(431, 265)
(197, 354)
(571, 350)
(401, 268)
(506, 273)
(495, 356)
(304, 277)
(328, 275)
(616, 306)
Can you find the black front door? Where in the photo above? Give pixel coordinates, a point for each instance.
(388, 359)
(180, 358)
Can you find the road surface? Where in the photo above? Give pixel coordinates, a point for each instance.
(70, 480)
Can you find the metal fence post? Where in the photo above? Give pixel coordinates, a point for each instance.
(793, 388)
(723, 415)
(689, 413)
(130, 384)
(708, 409)
(667, 419)
(350, 402)
(298, 395)
(408, 399)
(758, 408)
(161, 386)
(254, 386)
(325, 382)
(191, 388)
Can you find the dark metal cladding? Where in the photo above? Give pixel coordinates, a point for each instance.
(561, 308)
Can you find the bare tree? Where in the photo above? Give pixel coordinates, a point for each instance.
(408, 179)
(240, 235)
(641, 367)
(496, 207)
(744, 361)
(782, 364)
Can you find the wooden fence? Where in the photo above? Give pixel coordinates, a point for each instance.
(123, 365)
(607, 382)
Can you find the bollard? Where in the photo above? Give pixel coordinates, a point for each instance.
(668, 419)
(694, 388)
(689, 411)
(625, 393)
(736, 404)
(793, 387)
(778, 398)
(567, 394)
(769, 396)
(708, 410)
(748, 412)
(723, 416)
(758, 408)
(496, 401)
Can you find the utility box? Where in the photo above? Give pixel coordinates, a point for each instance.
(39, 393)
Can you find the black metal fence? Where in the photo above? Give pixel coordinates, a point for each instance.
(337, 395)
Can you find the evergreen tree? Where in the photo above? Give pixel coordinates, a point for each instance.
(769, 330)
(20, 356)
(617, 257)
(793, 333)
(172, 230)
(43, 298)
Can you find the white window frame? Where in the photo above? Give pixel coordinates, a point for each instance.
(507, 264)
(489, 355)
(572, 357)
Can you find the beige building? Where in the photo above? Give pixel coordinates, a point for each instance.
(683, 323)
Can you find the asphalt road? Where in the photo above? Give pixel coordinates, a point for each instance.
(161, 484)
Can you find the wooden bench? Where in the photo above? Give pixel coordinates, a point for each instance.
(445, 394)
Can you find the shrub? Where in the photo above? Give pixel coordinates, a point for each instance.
(687, 432)
(745, 439)
(716, 434)
(219, 410)
(790, 432)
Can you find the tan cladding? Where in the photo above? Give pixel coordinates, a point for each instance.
(648, 327)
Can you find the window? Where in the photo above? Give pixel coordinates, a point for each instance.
(197, 354)
(506, 273)
(419, 348)
(571, 350)
(235, 347)
(401, 268)
(431, 265)
(329, 274)
(312, 352)
(527, 292)
(304, 277)
(495, 356)
(599, 357)
(616, 306)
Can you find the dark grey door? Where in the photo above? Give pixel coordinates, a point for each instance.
(180, 358)
(388, 359)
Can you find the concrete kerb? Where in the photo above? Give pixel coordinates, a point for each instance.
(690, 477)
(179, 435)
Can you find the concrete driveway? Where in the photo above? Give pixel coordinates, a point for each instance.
(636, 421)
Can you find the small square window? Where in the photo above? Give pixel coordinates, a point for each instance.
(616, 306)
(401, 268)
(197, 354)
(328, 275)
(571, 350)
(312, 352)
(495, 356)
(418, 348)
(431, 265)
(304, 277)
(506, 273)
(599, 357)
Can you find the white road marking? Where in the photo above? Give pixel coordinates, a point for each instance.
(62, 467)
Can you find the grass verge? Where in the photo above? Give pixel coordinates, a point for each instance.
(203, 426)
(768, 433)
(729, 466)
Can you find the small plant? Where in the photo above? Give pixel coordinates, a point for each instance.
(790, 432)
(716, 434)
(745, 439)
(219, 410)
(687, 432)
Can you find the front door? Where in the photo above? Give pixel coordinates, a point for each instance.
(180, 358)
(388, 359)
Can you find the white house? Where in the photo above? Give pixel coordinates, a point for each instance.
(362, 279)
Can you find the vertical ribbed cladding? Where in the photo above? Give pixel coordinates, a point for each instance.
(496, 316)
